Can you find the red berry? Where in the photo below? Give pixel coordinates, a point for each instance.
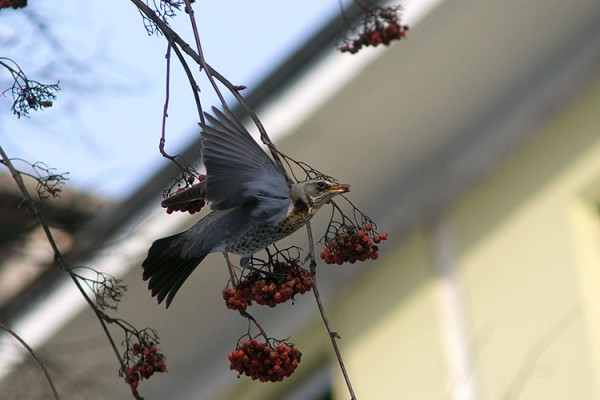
(285, 281)
(352, 244)
(149, 360)
(260, 361)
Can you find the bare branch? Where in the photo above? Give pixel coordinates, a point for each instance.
(170, 34)
(60, 262)
(27, 94)
(37, 358)
(333, 336)
(194, 86)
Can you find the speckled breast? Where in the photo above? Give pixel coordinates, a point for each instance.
(260, 236)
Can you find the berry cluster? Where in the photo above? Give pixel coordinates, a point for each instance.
(263, 362)
(236, 298)
(190, 206)
(352, 244)
(275, 287)
(149, 362)
(380, 26)
(13, 3)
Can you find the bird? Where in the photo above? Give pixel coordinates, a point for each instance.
(253, 205)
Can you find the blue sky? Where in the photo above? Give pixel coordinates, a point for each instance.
(107, 138)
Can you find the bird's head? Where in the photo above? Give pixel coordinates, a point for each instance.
(317, 192)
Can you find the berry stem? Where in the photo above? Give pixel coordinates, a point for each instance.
(163, 140)
(161, 145)
(311, 251)
(255, 322)
(194, 86)
(190, 12)
(231, 269)
(333, 336)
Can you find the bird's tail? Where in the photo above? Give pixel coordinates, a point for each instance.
(167, 269)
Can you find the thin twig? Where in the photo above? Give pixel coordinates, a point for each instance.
(333, 336)
(193, 84)
(163, 140)
(190, 12)
(311, 249)
(102, 317)
(161, 145)
(37, 358)
(59, 261)
(231, 269)
(170, 34)
(58, 258)
(260, 328)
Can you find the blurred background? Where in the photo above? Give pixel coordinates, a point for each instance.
(475, 143)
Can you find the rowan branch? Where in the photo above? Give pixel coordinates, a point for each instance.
(61, 263)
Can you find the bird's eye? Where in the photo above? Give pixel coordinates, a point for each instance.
(321, 185)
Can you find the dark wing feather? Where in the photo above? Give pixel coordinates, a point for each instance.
(239, 172)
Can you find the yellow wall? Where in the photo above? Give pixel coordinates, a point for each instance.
(528, 260)
(529, 264)
(393, 328)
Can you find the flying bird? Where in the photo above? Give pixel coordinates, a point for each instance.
(252, 201)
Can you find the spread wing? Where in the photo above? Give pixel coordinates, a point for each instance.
(239, 172)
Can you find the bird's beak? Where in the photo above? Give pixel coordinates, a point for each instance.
(338, 189)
